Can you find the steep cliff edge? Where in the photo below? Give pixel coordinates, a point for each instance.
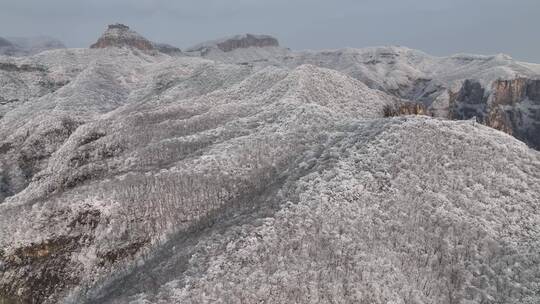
(512, 106)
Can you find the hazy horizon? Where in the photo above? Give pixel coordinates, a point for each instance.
(437, 27)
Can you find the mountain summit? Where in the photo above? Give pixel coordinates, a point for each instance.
(120, 35)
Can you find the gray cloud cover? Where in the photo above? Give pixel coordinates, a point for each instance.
(439, 27)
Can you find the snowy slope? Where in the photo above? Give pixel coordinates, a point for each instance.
(126, 116)
(377, 217)
(141, 177)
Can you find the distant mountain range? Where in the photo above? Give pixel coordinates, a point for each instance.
(496, 90)
(24, 46)
(240, 171)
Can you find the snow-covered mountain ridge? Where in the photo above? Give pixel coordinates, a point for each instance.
(131, 175)
(440, 84)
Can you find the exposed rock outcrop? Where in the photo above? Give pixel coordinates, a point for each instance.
(49, 258)
(120, 35)
(511, 106)
(510, 92)
(497, 118)
(237, 42)
(515, 109)
(246, 41)
(469, 101)
(405, 108)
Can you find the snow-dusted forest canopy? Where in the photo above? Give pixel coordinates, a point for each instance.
(243, 172)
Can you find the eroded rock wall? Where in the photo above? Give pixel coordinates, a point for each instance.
(247, 41)
(511, 106)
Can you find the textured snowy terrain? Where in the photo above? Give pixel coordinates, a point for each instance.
(389, 67)
(258, 175)
(505, 93)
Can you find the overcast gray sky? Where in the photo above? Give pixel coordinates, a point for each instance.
(439, 27)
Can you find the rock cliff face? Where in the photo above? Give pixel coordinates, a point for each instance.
(512, 106)
(236, 42)
(511, 92)
(247, 41)
(515, 109)
(500, 119)
(469, 101)
(119, 35)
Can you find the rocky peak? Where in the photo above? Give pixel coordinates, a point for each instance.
(118, 26)
(237, 42)
(120, 35)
